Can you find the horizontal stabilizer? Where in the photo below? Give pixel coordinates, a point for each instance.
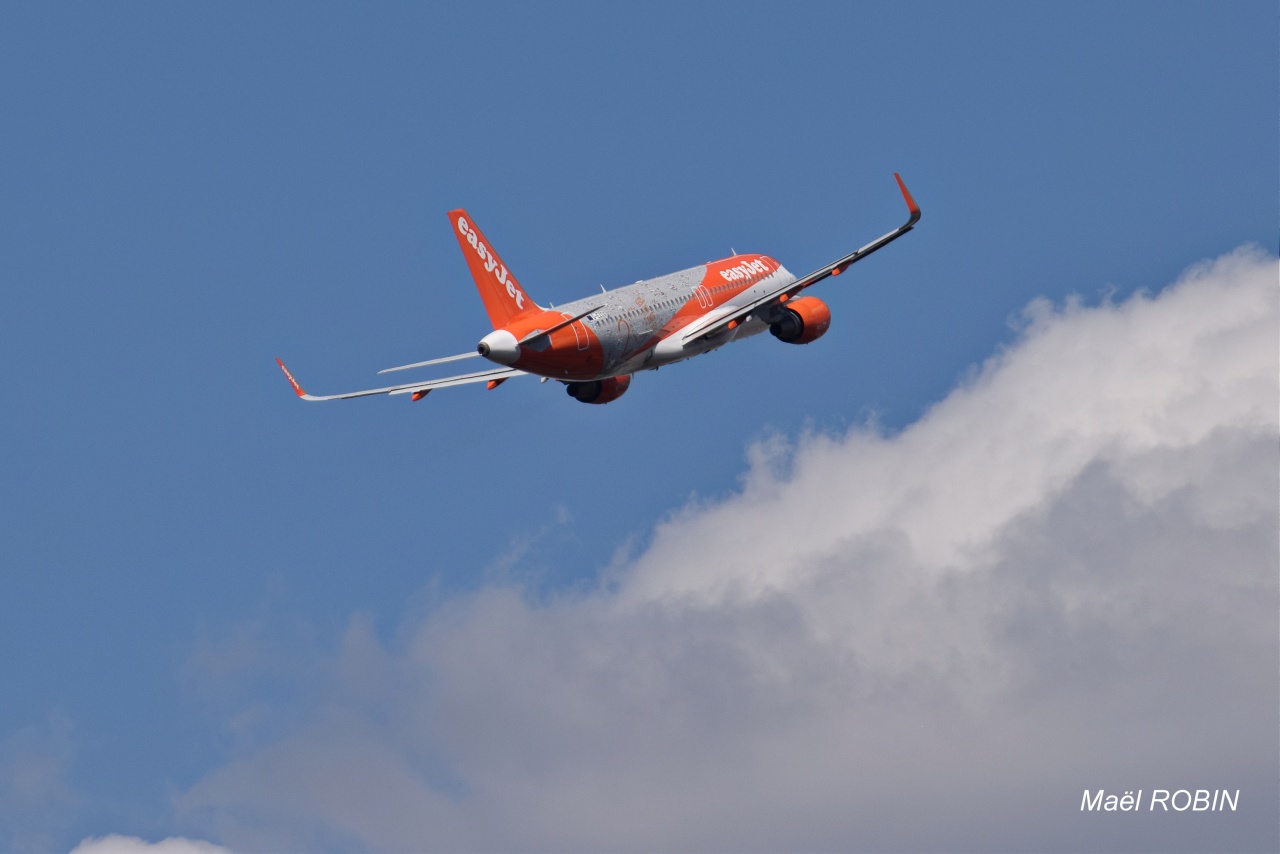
(538, 333)
(456, 358)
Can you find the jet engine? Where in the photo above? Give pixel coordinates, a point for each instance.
(803, 320)
(599, 391)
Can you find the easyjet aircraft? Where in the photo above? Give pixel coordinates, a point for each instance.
(595, 344)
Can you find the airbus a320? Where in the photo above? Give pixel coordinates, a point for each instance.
(595, 345)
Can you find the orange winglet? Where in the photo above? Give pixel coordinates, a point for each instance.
(911, 203)
(297, 389)
(492, 384)
(420, 394)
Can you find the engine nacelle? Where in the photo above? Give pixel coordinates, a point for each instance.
(599, 391)
(803, 320)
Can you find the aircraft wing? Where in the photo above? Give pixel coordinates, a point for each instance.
(786, 292)
(418, 390)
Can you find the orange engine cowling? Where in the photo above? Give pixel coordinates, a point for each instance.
(803, 320)
(599, 391)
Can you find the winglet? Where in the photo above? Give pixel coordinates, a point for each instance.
(297, 389)
(911, 203)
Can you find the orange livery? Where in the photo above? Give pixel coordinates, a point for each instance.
(595, 344)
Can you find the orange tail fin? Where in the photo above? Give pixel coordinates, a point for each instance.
(502, 295)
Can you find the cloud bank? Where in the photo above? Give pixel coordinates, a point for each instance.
(1062, 577)
(115, 844)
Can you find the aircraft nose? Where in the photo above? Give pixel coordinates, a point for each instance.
(500, 346)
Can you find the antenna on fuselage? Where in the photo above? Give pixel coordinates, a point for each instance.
(602, 290)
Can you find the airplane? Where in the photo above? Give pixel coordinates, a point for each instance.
(594, 345)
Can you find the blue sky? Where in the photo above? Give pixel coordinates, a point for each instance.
(190, 192)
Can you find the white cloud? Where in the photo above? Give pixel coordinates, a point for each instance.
(115, 844)
(1064, 576)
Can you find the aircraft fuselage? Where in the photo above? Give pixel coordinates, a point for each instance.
(639, 327)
